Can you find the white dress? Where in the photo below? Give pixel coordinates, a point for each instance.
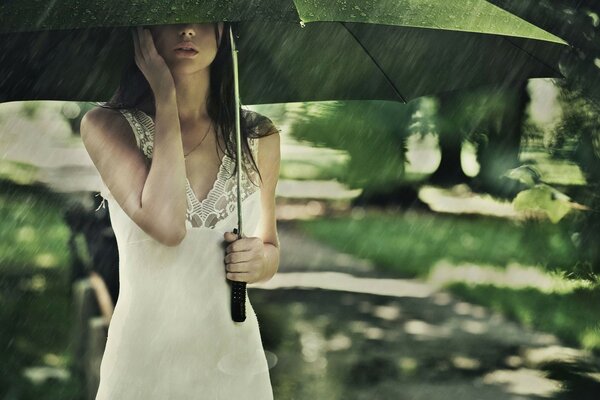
(171, 335)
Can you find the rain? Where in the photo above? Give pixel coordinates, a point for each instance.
(436, 204)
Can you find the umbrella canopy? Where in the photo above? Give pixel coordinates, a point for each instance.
(301, 50)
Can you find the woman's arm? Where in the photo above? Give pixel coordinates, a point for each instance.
(269, 159)
(154, 199)
(165, 190)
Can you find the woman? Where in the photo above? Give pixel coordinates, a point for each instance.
(172, 203)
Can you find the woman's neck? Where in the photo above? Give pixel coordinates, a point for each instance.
(191, 92)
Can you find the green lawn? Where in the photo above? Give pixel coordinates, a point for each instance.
(410, 245)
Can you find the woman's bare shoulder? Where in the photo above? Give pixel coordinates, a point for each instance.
(108, 125)
(99, 117)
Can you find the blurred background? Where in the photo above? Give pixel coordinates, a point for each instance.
(443, 248)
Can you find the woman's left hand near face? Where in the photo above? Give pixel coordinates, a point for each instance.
(244, 258)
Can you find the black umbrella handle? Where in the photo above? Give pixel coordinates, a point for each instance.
(238, 301)
(238, 298)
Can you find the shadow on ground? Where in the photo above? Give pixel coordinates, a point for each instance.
(335, 344)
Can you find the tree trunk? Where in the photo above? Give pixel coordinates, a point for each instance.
(450, 138)
(499, 150)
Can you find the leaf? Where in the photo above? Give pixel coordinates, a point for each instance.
(544, 198)
(526, 174)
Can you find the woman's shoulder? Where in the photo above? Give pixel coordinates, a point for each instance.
(101, 119)
(106, 116)
(258, 125)
(107, 124)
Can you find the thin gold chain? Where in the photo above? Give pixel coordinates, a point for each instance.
(196, 146)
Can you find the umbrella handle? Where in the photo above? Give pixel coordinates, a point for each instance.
(238, 289)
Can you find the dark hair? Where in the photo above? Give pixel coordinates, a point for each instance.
(134, 88)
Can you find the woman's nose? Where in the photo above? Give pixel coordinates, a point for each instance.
(187, 31)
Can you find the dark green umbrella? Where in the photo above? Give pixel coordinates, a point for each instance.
(289, 51)
(301, 50)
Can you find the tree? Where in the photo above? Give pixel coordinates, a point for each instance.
(493, 119)
(451, 134)
(498, 145)
(374, 134)
(577, 22)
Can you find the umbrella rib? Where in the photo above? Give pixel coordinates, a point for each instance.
(376, 63)
(532, 56)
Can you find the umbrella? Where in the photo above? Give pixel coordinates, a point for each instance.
(309, 50)
(289, 51)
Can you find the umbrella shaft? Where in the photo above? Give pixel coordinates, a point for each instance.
(238, 289)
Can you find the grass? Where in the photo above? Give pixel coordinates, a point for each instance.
(409, 245)
(35, 308)
(571, 316)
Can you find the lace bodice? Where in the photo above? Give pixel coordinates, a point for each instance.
(221, 199)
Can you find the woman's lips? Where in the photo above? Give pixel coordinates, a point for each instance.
(186, 53)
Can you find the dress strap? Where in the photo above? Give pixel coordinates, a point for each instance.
(143, 131)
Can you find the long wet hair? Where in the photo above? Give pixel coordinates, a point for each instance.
(134, 88)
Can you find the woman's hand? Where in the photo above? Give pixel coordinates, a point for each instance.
(244, 259)
(152, 64)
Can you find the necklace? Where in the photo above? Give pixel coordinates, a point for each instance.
(196, 146)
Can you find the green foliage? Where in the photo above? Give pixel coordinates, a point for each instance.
(32, 232)
(526, 174)
(470, 113)
(540, 196)
(30, 108)
(373, 133)
(578, 133)
(544, 198)
(35, 309)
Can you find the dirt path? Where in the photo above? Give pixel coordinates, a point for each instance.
(334, 328)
